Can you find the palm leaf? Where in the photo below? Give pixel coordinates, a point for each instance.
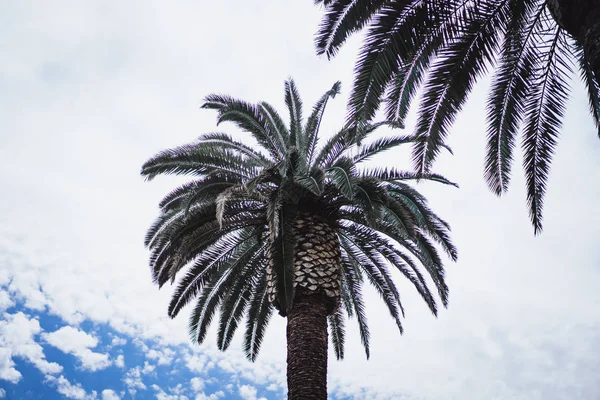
(544, 112)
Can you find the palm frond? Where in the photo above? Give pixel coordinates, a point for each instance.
(192, 159)
(593, 88)
(374, 268)
(259, 314)
(249, 118)
(454, 74)
(225, 141)
(354, 283)
(239, 298)
(379, 146)
(214, 262)
(342, 18)
(313, 123)
(282, 253)
(294, 105)
(544, 112)
(508, 93)
(389, 39)
(275, 123)
(341, 174)
(337, 332)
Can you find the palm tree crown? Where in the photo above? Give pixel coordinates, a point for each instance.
(444, 47)
(235, 226)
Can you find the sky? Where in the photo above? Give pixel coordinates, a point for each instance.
(91, 89)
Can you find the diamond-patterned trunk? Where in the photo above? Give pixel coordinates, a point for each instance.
(317, 262)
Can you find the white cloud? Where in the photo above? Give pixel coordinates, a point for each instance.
(2, 393)
(204, 396)
(179, 389)
(17, 338)
(109, 394)
(133, 380)
(120, 361)
(5, 300)
(163, 357)
(248, 392)
(69, 390)
(78, 343)
(198, 363)
(117, 341)
(162, 395)
(197, 384)
(141, 345)
(272, 387)
(148, 368)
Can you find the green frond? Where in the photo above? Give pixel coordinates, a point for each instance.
(392, 35)
(508, 93)
(395, 175)
(389, 250)
(593, 88)
(454, 74)
(407, 80)
(294, 105)
(247, 117)
(194, 159)
(337, 332)
(275, 123)
(310, 184)
(282, 252)
(433, 264)
(354, 285)
(189, 242)
(216, 260)
(238, 299)
(209, 185)
(225, 141)
(259, 314)
(380, 145)
(313, 123)
(344, 291)
(341, 174)
(333, 148)
(544, 112)
(208, 301)
(342, 18)
(374, 268)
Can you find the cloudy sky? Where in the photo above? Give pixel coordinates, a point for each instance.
(90, 90)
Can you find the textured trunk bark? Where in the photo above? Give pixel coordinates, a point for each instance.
(581, 19)
(307, 347)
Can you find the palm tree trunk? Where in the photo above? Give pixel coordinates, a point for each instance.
(581, 19)
(307, 347)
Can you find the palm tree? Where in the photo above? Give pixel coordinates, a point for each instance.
(285, 225)
(445, 46)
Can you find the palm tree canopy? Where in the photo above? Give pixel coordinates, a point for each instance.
(443, 47)
(219, 228)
